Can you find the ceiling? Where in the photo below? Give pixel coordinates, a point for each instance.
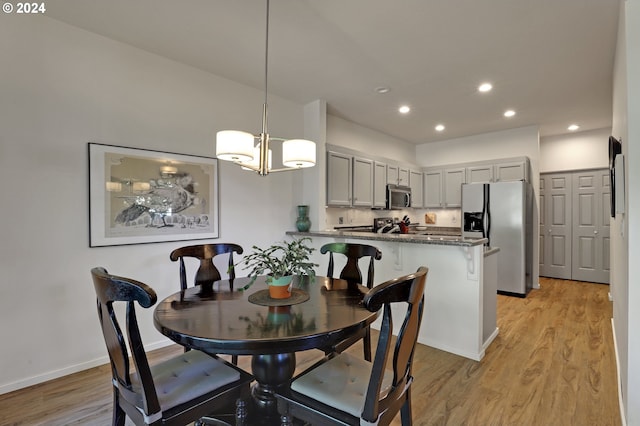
(549, 60)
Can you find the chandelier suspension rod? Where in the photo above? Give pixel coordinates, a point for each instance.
(239, 147)
(264, 136)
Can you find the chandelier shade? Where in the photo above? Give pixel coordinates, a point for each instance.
(298, 153)
(234, 145)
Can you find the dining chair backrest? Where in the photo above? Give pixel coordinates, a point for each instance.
(110, 289)
(354, 252)
(176, 391)
(408, 289)
(347, 390)
(207, 273)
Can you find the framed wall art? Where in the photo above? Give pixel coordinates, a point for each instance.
(141, 196)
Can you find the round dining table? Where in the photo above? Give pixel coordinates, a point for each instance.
(225, 318)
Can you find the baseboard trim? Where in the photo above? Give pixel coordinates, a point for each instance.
(55, 374)
(615, 347)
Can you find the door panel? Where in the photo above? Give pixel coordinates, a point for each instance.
(574, 225)
(590, 228)
(555, 217)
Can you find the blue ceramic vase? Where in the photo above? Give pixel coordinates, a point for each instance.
(303, 223)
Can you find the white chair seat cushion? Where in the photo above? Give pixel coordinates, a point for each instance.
(185, 377)
(340, 382)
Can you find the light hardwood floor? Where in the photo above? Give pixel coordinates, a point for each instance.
(553, 363)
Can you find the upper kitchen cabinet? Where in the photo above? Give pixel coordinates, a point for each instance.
(433, 188)
(416, 183)
(356, 179)
(339, 179)
(397, 175)
(379, 185)
(453, 180)
(443, 187)
(480, 174)
(517, 169)
(362, 182)
(350, 181)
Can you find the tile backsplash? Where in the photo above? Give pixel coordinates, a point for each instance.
(358, 217)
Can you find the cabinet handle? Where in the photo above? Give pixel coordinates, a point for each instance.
(595, 232)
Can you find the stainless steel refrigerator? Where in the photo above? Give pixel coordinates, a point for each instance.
(503, 213)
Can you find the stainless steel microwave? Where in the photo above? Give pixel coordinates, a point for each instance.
(398, 197)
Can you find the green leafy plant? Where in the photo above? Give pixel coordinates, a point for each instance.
(280, 260)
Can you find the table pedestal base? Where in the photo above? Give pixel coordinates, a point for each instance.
(271, 372)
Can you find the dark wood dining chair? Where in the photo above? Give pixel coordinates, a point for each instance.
(177, 391)
(207, 273)
(351, 273)
(347, 390)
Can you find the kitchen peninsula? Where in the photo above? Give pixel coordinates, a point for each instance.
(460, 293)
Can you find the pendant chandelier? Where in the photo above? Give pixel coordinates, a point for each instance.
(241, 148)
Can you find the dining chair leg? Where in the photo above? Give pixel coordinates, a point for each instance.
(241, 412)
(286, 420)
(366, 340)
(234, 359)
(405, 411)
(119, 416)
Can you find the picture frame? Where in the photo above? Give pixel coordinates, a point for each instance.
(139, 196)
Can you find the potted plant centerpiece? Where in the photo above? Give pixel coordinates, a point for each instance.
(280, 261)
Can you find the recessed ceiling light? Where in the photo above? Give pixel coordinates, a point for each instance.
(509, 113)
(382, 89)
(573, 127)
(404, 109)
(439, 127)
(485, 87)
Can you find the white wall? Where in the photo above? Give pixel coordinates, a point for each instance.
(353, 136)
(575, 151)
(61, 87)
(523, 141)
(625, 232)
(632, 176)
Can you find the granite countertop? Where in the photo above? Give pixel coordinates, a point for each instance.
(446, 240)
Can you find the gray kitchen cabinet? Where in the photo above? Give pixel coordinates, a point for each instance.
(392, 174)
(397, 175)
(433, 188)
(517, 170)
(403, 176)
(416, 182)
(339, 171)
(497, 172)
(480, 174)
(362, 182)
(453, 180)
(379, 184)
